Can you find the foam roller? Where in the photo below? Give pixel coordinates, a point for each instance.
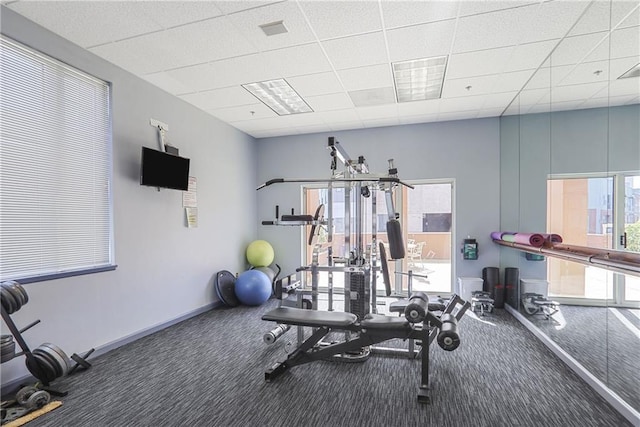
(396, 245)
(418, 307)
(273, 335)
(448, 337)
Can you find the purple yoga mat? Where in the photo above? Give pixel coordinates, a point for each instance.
(499, 235)
(532, 239)
(553, 238)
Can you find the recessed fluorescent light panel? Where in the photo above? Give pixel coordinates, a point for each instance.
(419, 79)
(633, 72)
(279, 96)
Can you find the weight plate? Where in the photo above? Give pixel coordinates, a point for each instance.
(53, 360)
(5, 338)
(8, 347)
(47, 366)
(60, 356)
(8, 352)
(225, 285)
(16, 294)
(24, 393)
(8, 300)
(24, 292)
(38, 400)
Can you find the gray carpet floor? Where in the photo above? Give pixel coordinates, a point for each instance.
(209, 371)
(597, 339)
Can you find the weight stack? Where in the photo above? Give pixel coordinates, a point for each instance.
(512, 286)
(491, 284)
(359, 302)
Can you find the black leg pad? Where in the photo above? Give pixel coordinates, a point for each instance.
(396, 245)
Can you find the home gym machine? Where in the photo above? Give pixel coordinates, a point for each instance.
(416, 319)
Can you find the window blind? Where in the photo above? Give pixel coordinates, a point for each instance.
(55, 167)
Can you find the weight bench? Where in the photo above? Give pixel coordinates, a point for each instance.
(418, 324)
(534, 303)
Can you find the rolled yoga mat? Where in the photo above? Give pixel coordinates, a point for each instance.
(512, 286)
(499, 235)
(530, 239)
(491, 284)
(553, 238)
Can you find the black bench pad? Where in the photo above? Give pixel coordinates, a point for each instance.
(314, 318)
(378, 321)
(400, 305)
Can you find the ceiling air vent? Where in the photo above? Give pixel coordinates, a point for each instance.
(273, 28)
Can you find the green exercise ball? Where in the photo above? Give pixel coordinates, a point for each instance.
(260, 253)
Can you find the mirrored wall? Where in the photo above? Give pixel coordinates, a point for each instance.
(570, 165)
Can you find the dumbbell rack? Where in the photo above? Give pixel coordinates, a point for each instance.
(32, 362)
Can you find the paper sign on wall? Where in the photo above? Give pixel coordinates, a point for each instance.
(192, 217)
(189, 199)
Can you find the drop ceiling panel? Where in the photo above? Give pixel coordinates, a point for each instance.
(417, 108)
(315, 84)
(339, 116)
(492, 30)
(484, 62)
(294, 61)
(240, 70)
(234, 114)
(408, 12)
(356, 51)
(551, 20)
(530, 55)
(459, 115)
(622, 87)
(229, 7)
(589, 72)
(174, 13)
(371, 77)
(168, 83)
(196, 78)
(458, 87)
(248, 22)
(220, 98)
(89, 23)
(508, 82)
(377, 112)
(572, 50)
(331, 19)
(346, 126)
(597, 17)
(369, 97)
(421, 41)
(382, 122)
(334, 101)
(625, 42)
(485, 6)
(423, 118)
(576, 92)
(498, 100)
(466, 103)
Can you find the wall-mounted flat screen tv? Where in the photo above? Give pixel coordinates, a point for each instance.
(164, 170)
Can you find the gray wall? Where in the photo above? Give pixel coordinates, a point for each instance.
(568, 142)
(467, 151)
(165, 270)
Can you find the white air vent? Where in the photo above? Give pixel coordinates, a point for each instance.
(273, 28)
(633, 72)
(368, 97)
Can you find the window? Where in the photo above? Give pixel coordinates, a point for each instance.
(55, 168)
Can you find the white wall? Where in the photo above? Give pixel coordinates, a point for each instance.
(467, 151)
(165, 270)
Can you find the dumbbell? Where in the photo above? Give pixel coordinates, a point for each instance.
(32, 398)
(417, 308)
(272, 336)
(448, 337)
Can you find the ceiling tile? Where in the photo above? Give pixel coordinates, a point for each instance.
(334, 101)
(356, 51)
(551, 20)
(572, 50)
(465, 103)
(631, 19)
(166, 82)
(607, 101)
(423, 118)
(625, 42)
(339, 116)
(174, 13)
(346, 125)
(492, 30)
(334, 18)
(597, 16)
(421, 41)
(516, 80)
(588, 72)
(377, 112)
(485, 62)
(498, 100)
(295, 61)
(530, 55)
(248, 22)
(459, 115)
(88, 23)
(565, 105)
(382, 122)
(315, 84)
(233, 6)
(234, 114)
(530, 97)
(490, 112)
(618, 67)
(404, 13)
(621, 87)
(458, 87)
(313, 129)
(220, 98)
(374, 76)
(419, 108)
(484, 6)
